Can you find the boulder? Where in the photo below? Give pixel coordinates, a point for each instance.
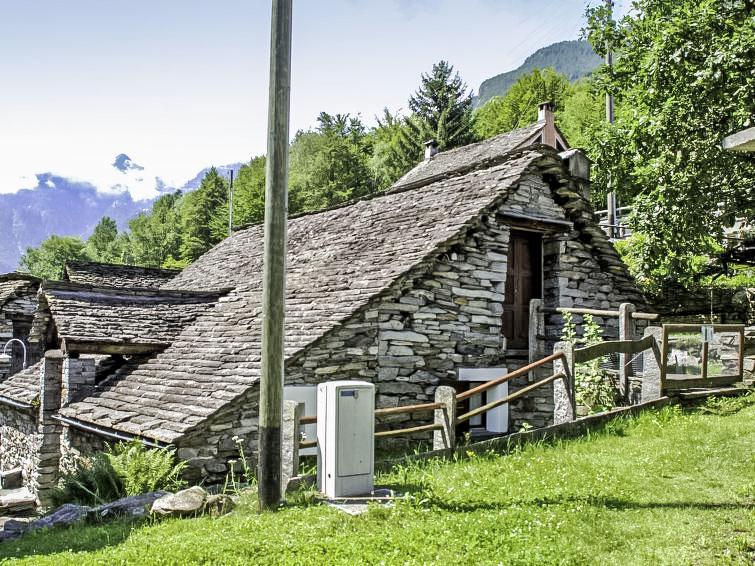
(218, 504)
(131, 507)
(63, 516)
(185, 502)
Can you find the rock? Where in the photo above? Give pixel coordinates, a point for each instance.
(131, 507)
(14, 529)
(218, 504)
(14, 502)
(12, 479)
(185, 502)
(63, 516)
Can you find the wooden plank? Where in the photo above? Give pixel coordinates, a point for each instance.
(664, 356)
(516, 373)
(678, 382)
(611, 346)
(741, 369)
(704, 361)
(401, 431)
(685, 328)
(96, 347)
(408, 409)
(307, 444)
(308, 420)
(599, 312)
(508, 398)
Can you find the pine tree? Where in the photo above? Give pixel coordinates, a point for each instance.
(198, 233)
(442, 109)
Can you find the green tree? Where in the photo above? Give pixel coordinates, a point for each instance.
(249, 192)
(108, 245)
(518, 108)
(155, 236)
(442, 110)
(198, 231)
(329, 166)
(684, 73)
(47, 261)
(391, 156)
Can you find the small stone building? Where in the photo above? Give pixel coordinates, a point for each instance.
(17, 305)
(404, 289)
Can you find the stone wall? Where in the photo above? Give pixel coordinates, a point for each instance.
(15, 322)
(20, 441)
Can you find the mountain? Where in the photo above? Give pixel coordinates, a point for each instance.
(576, 59)
(62, 206)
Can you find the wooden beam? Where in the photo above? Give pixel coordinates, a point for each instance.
(612, 346)
(124, 348)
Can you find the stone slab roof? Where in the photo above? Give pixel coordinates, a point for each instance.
(11, 284)
(112, 275)
(338, 260)
(468, 157)
(22, 386)
(84, 314)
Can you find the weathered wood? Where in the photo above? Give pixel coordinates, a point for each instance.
(508, 398)
(100, 347)
(704, 361)
(741, 360)
(612, 346)
(516, 373)
(401, 431)
(676, 382)
(408, 409)
(599, 312)
(664, 359)
(308, 420)
(274, 264)
(626, 332)
(685, 328)
(307, 444)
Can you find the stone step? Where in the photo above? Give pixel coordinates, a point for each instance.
(11, 479)
(17, 502)
(720, 391)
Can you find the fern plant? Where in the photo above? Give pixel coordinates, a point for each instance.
(128, 468)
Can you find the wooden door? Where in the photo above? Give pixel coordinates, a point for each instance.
(523, 283)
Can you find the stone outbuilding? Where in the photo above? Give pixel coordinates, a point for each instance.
(405, 289)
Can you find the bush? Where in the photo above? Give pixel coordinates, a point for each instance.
(123, 470)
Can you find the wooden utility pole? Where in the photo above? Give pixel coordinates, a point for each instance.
(230, 206)
(274, 274)
(611, 200)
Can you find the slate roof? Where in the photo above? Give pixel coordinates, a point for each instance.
(468, 157)
(22, 386)
(98, 315)
(112, 275)
(338, 260)
(12, 283)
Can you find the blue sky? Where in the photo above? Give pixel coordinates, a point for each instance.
(179, 85)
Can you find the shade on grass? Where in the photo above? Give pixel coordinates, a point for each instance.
(671, 487)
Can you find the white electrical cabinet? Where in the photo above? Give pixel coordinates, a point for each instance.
(345, 437)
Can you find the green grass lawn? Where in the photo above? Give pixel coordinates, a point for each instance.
(670, 487)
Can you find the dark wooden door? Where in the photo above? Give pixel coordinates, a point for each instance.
(523, 283)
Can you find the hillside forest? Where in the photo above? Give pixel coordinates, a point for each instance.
(682, 80)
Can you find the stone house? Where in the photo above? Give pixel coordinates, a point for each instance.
(405, 289)
(17, 305)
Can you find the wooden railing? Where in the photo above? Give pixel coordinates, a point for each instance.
(444, 420)
(677, 382)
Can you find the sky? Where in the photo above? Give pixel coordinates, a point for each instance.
(179, 85)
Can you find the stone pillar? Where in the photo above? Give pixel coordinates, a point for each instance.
(536, 329)
(290, 438)
(49, 404)
(626, 332)
(651, 365)
(78, 379)
(564, 401)
(446, 417)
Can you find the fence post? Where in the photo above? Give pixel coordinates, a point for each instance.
(445, 416)
(290, 438)
(626, 332)
(563, 389)
(651, 366)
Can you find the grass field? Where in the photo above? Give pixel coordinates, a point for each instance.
(673, 486)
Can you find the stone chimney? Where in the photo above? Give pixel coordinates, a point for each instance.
(545, 112)
(431, 148)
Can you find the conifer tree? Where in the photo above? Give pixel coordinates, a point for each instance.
(197, 214)
(442, 109)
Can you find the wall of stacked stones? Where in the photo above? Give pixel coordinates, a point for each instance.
(214, 446)
(76, 443)
(22, 306)
(20, 442)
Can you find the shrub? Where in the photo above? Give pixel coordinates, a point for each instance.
(122, 470)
